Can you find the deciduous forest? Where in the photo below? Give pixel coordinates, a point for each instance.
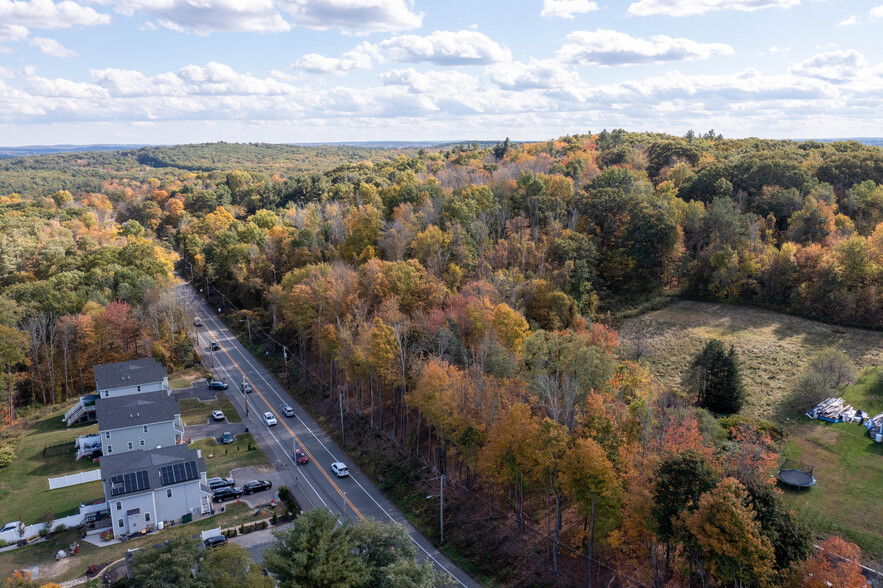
(463, 303)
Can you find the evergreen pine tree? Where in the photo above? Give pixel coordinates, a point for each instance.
(714, 378)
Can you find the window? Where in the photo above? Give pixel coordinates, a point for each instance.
(169, 493)
(110, 449)
(130, 445)
(107, 434)
(139, 388)
(120, 523)
(119, 506)
(147, 517)
(106, 393)
(145, 428)
(142, 443)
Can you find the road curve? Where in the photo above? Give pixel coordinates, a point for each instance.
(314, 485)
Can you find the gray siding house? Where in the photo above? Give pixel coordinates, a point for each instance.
(120, 379)
(143, 488)
(149, 420)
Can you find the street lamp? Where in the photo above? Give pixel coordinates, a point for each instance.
(441, 507)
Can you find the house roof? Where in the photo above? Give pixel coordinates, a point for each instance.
(135, 409)
(129, 373)
(152, 463)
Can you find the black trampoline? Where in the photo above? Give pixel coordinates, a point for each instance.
(797, 475)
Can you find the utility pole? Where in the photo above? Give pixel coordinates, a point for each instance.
(212, 347)
(248, 322)
(208, 291)
(441, 511)
(287, 373)
(340, 401)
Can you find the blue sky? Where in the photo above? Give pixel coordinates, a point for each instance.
(178, 71)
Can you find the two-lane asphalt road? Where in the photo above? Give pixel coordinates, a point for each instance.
(314, 485)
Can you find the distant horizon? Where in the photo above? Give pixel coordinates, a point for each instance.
(48, 149)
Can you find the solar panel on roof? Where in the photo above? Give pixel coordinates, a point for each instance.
(130, 482)
(179, 472)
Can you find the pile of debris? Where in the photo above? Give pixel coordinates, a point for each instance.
(833, 410)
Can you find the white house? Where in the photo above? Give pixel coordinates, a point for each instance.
(120, 379)
(145, 487)
(134, 422)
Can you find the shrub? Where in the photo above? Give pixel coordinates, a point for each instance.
(275, 519)
(242, 529)
(92, 570)
(44, 531)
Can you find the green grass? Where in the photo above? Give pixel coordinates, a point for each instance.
(197, 412)
(178, 383)
(24, 485)
(773, 347)
(848, 470)
(220, 459)
(74, 567)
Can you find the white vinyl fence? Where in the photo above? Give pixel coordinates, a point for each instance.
(74, 479)
(14, 536)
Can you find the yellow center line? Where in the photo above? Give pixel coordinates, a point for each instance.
(293, 434)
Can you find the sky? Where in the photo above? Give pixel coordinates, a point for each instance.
(293, 71)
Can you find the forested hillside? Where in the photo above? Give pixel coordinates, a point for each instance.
(459, 301)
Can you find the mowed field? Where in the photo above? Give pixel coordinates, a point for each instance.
(773, 347)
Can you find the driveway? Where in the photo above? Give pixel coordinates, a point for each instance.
(214, 430)
(243, 475)
(199, 390)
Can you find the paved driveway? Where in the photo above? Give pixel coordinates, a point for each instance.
(199, 390)
(213, 429)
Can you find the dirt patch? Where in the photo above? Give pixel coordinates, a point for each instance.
(773, 347)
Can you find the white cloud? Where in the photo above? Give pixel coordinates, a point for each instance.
(12, 33)
(45, 14)
(361, 57)
(203, 17)
(848, 22)
(52, 47)
(691, 7)
(775, 49)
(877, 12)
(446, 48)
(609, 48)
(834, 66)
(566, 8)
(545, 74)
(357, 15)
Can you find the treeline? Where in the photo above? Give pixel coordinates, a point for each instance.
(77, 289)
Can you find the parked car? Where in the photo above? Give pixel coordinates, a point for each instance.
(218, 415)
(215, 483)
(270, 419)
(214, 541)
(222, 494)
(287, 410)
(300, 457)
(215, 385)
(215, 346)
(227, 438)
(256, 486)
(246, 388)
(340, 469)
(197, 322)
(10, 526)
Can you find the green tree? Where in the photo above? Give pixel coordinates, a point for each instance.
(391, 558)
(791, 540)
(714, 378)
(231, 566)
(681, 480)
(171, 564)
(315, 552)
(13, 346)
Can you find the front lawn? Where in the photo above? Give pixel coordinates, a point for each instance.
(220, 459)
(197, 412)
(45, 448)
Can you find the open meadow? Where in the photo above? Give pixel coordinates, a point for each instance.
(772, 347)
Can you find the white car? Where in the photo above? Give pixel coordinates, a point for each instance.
(269, 419)
(339, 468)
(287, 410)
(218, 415)
(246, 388)
(10, 526)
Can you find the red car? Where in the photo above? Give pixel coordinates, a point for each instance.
(301, 457)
